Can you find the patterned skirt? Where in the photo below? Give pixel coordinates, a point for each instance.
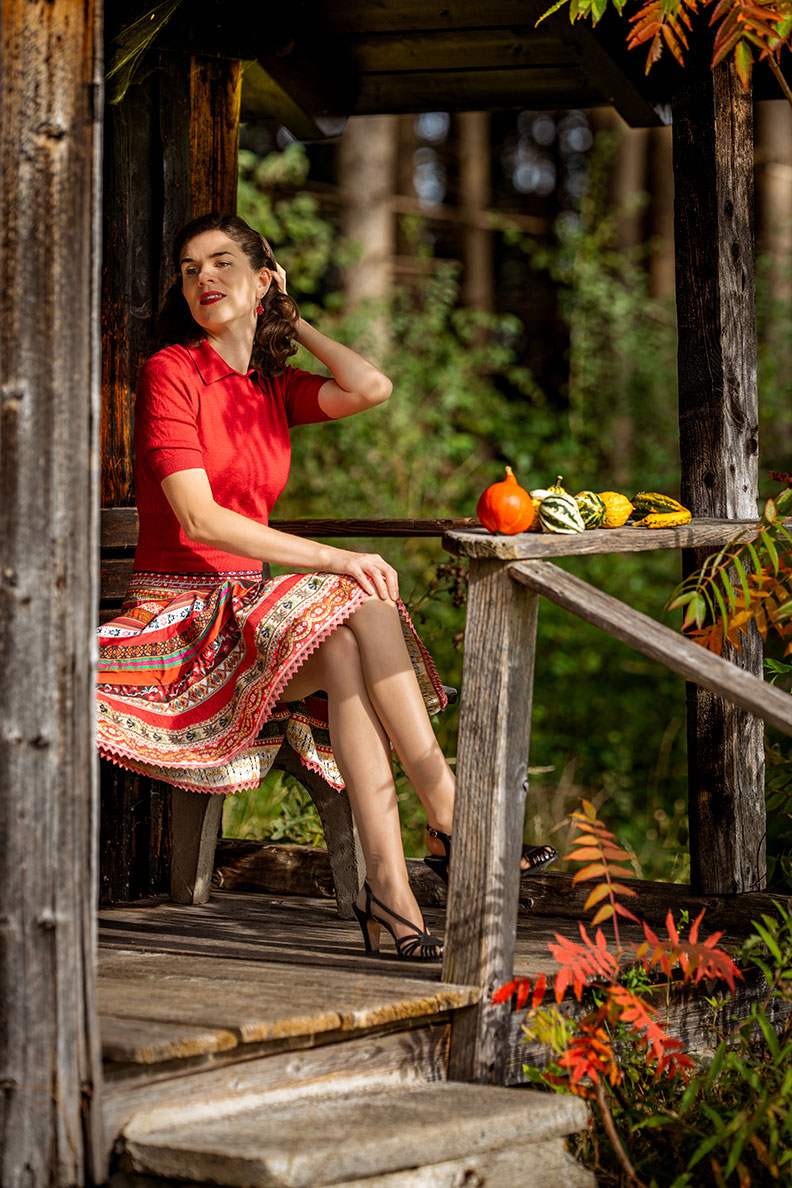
(191, 671)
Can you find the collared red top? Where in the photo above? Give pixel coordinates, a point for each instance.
(193, 411)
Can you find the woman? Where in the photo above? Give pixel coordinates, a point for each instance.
(209, 668)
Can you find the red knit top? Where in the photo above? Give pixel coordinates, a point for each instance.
(193, 411)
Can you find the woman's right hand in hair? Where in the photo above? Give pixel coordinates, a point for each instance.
(371, 571)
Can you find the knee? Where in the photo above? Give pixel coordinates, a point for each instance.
(341, 660)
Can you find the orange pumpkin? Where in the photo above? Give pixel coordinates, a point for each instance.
(505, 507)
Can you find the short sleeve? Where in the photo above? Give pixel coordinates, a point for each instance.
(166, 418)
(301, 391)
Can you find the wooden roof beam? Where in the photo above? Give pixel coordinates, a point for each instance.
(296, 71)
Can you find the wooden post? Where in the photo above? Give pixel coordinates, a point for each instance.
(718, 416)
(492, 761)
(50, 139)
(171, 153)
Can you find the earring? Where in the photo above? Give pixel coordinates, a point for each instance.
(259, 309)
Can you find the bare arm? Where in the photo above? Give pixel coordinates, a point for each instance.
(206, 522)
(356, 384)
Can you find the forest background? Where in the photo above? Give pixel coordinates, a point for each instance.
(513, 275)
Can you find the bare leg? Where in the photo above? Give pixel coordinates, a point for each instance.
(396, 696)
(397, 699)
(362, 752)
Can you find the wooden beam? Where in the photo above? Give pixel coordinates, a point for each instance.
(718, 418)
(702, 533)
(50, 144)
(492, 756)
(171, 154)
(658, 642)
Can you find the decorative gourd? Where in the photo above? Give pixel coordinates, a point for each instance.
(506, 507)
(617, 509)
(591, 508)
(667, 519)
(542, 492)
(536, 525)
(559, 513)
(648, 502)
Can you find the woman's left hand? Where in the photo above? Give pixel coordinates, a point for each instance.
(279, 277)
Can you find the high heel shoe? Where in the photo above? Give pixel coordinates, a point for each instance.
(438, 863)
(415, 946)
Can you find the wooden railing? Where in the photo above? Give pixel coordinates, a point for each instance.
(507, 574)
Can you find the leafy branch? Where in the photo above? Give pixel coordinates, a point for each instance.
(747, 581)
(676, 1123)
(745, 29)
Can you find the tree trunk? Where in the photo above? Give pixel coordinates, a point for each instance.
(475, 195)
(713, 174)
(50, 120)
(367, 179)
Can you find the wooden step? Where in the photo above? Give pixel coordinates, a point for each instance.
(439, 1135)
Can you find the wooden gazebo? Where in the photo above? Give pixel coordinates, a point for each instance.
(90, 194)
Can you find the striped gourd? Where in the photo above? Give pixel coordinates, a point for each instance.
(591, 508)
(667, 519)
(559, 513)
(649, 502)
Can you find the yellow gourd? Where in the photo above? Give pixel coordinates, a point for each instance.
(667, 519)
(617, 509)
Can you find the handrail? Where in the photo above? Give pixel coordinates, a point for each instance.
(658, 642)
(119, 527)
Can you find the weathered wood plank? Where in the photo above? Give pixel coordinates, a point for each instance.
(264, 1143)
(492, 755)
(127, 1041)
(416, 1054)
(555, 896)
(658, 642)
(718, 420)
(50, 145)
(707, 533)
(195, 823)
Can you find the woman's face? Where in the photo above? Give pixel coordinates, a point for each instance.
(220, 287)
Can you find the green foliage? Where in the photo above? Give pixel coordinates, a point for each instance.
(607, 723)
(665, 1120)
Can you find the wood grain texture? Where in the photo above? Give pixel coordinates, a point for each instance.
(50, 144)
(415, 1053)
(658, 642)
(707, 533)
(195, 822)
(492, 756)
(718, 419)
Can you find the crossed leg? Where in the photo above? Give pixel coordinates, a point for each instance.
(374, 696)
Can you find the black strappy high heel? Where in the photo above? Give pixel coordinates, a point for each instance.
(415, 946)
(438, 863)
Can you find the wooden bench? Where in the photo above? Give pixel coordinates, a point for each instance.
(188, 842)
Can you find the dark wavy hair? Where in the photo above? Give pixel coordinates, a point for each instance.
(276, 328)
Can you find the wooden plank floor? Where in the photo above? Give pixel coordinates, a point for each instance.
(252, 973)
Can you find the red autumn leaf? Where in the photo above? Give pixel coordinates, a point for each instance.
(504, 992)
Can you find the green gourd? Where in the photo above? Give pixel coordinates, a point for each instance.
(559, 513)
(591, 508)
